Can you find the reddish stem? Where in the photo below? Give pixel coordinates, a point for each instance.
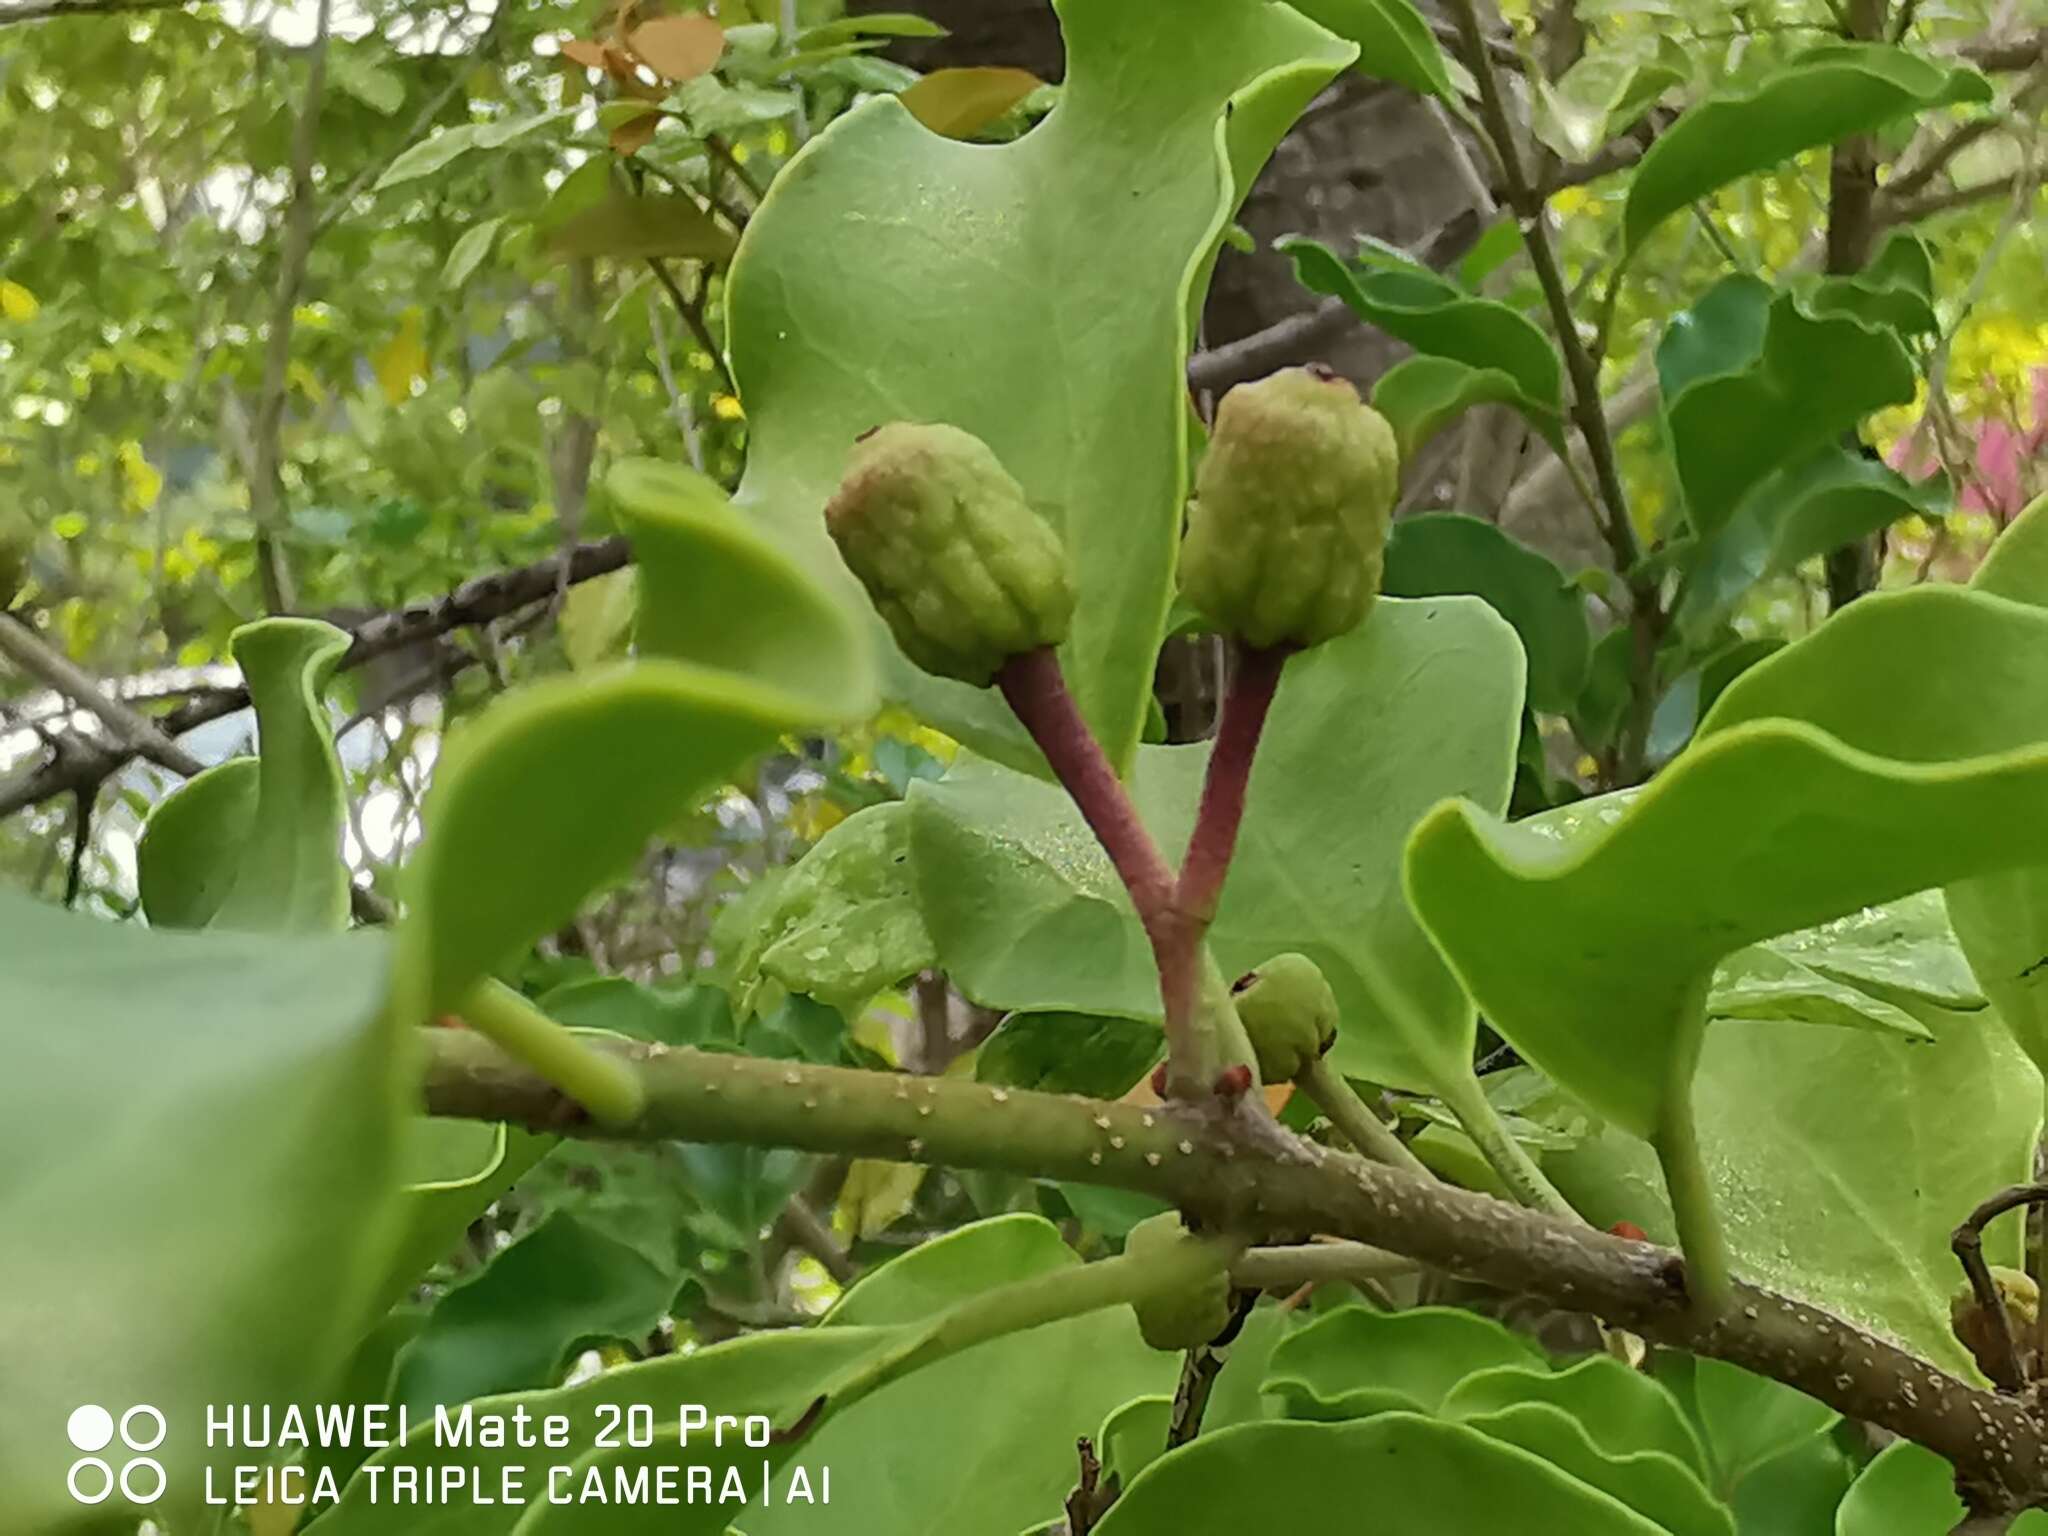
(1037, 692)
(1254, 677)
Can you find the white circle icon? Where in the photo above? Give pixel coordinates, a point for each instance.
(91, 1428)
(131, 1438)
(135, 1495)
(106, 1487)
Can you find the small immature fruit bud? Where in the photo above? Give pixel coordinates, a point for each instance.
(1190, 1318)
(1977, 1331)
(1289, 520)
(1290, 1014)
(966, 573)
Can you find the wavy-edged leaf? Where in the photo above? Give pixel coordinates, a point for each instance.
(1802, 511)
(1897, 747)
(553, 791)
(256, 844)
(1027, 914)
(1411, 1473)
(203, 1183)
(1745, 1421)
(1436, 316)
(1621, 1410)
(1355, 1361)
(1851, 1210)
(1005, 245)
(1895, 289)
(1818, 97)
(1905, 1490)
(2002, 920)
(1394, 42)
(1422, 395)
(1753, 381)
(1444, 553)
(1655, 1485)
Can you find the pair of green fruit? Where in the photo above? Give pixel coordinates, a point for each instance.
(1283, 547)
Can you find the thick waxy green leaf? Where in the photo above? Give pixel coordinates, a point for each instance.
(202, 1183)
(915, 1458)
(1655, 1485)
(1355, 1361)
(452, 1171)
(256, 844)
(1422, 395)
(1622, 1411)
(1745, 1421)
(811, 1377)
(1753, 382)
(1851, 1209)
(2002, 920)
(1394, 42)
(1028, 915)
(1069, 1053)
(1900, 746)
(1896, 289)
(1409, 1472)
(1905, 1490)
(1442, 553)
(740, 648)
(191, 845)
(1806, 509)
(512, 1325)
(1819, 97)
(1437, 317)
(846, 923)
(1005, 245)
(1134, 1436)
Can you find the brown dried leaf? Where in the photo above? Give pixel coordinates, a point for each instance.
(581, 51)
(634, 134)
(679, 47)
(959, 103)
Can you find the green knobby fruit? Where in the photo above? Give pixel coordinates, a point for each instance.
(1185, 1319)
(1289, 522)
(1290, 1014)
(965, 572)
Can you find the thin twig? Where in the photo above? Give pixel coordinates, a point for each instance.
(81, 840)
(266, 483)
(1968, 1242)
(692, 311)
(134, 730)
(478, 601)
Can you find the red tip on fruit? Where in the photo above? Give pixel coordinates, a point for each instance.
(1629, 1230)
(1159, 1080)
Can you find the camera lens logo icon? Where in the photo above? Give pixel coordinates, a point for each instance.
(92, 1479)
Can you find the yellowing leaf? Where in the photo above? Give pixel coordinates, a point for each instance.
(401, 363)
(959, 103)
(142, 480)
(877, 1194)
(303, 380)
(17, 303)
(679, 47)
